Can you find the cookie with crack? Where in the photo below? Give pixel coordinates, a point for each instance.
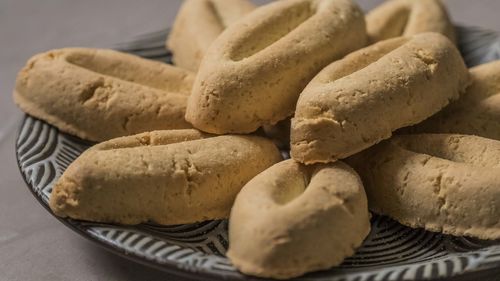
(99, 94)
(361, 99)
(443, 183)
(255, 70)
(292, 219)
(165, 177)
(396, 18)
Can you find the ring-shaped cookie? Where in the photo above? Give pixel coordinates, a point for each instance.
(255, 70)
(165, 177)
(99, 94)
(443, 183)
(360, 100)
(292, 219)
(396, 18)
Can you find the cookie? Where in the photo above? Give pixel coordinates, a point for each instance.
(99, 94)
(254, 72)
(360, 100)
(443, 183)
(396, 18)
(164, 177)
(196, 26)
(292, 219)
(476, 113)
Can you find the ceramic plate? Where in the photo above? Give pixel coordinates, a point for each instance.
(391, 251)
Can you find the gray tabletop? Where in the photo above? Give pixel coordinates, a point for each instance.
(34, 245)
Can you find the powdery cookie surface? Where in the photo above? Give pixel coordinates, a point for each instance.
(166, 177)
(477, 112)
(360, 100)
(292, 219)
(255, 70)
(443, 183)
(99, 94)
(396, 18)
(198, 23)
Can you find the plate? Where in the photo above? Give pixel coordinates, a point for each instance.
(391, 252)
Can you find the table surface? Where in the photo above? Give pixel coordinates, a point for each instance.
(33, 244)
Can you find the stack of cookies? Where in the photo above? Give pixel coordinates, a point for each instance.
(378, 112)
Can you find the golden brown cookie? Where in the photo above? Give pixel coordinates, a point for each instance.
(254, 72)
(396, 18)
(292, 219)
(443, 183)
(198, 23)
(99, 94)
(165, 177)
(360, 100)
(477, 112)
